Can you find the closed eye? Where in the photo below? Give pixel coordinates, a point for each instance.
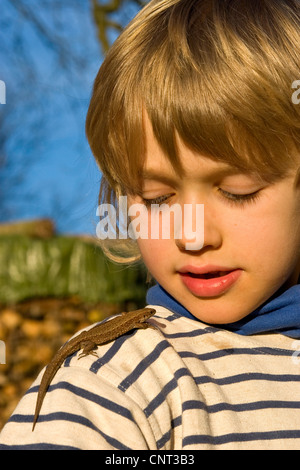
(237, 199)
(240, 198)
(156, 200)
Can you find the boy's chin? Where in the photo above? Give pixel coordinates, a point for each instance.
(218, 314)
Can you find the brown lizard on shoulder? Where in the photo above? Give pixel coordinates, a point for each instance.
(88, 341)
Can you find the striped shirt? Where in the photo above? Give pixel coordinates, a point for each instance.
(183, 386)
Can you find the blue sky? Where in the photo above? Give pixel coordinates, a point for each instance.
(47, 168)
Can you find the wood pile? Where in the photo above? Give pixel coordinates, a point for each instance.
(50, 289)
(33, 331)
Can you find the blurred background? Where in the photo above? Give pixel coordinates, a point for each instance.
(54, 278)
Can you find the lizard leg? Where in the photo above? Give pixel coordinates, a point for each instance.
(88, 348)
(153, 327)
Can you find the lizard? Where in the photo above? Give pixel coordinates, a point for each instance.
(88, 341)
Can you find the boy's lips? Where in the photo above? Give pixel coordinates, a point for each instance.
(209, 280)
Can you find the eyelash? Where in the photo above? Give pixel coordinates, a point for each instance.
(235, 199)
(240, 199)
(157, 200)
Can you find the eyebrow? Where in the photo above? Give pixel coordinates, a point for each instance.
(158, 176)
(152, 174)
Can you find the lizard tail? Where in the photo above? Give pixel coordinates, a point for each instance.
(44, 385)
(49, 373)
(38, 407)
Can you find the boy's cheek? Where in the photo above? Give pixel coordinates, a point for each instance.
(154, 253)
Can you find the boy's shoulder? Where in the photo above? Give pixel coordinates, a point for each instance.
(120, 333)
(138, 351)
(120, 339)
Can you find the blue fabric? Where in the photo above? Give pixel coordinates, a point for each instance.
(280, 314)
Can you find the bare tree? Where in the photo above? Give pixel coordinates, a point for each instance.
(46, 47)
(112, 17)
(45, 53)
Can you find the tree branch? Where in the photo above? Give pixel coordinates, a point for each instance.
(101, 15)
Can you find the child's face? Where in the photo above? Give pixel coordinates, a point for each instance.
(255, 240)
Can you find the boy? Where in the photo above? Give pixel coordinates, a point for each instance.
(192, 106)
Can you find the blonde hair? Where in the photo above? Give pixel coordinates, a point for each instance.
(216, 73)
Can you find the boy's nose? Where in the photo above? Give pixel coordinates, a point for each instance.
(196, 236)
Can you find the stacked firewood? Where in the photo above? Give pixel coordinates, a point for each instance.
(32, 332)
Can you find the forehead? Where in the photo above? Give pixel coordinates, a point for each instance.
(157, 165)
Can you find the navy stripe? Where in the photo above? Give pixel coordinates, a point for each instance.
(240, 407)
(68, 359)
(246, 377)
(163, 440)
(39, 446)
(143, 365)
(169, 387)
(170, 318)
(97, 399)
(241, 437)
(167, 436)
(113, 350)
(186, 334)
(73, 418)
(216, 354)
(33, 389)
(17, 418)
(176, 422)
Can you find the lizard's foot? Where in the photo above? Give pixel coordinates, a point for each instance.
(88, 349)
(90, 353)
